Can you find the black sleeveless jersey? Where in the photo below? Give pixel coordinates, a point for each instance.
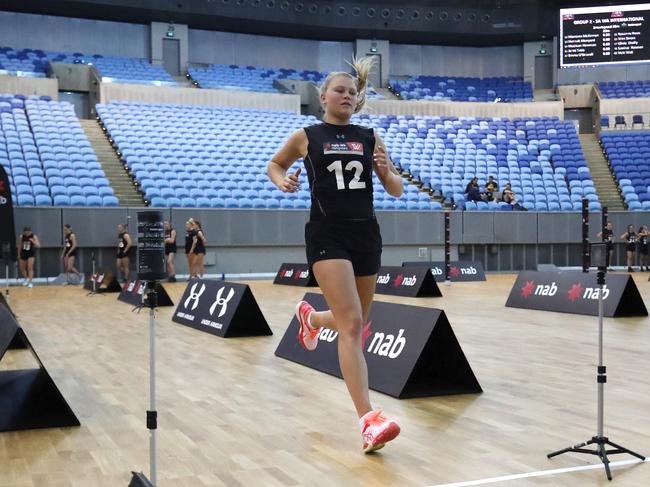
(339, 170)
(643, 239)
(631, 238)
(607, 235)
(121, 244)
(27, 244)
(68, 242)
(189, 239)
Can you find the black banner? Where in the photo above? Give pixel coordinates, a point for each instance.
(295, 275)
(576, 292)
(29, 398)
(415, 282)
(105, 282)
(7, 229)
(225, 309)
(133, 291)
(151, 246)
(459, 270)
(410, 351)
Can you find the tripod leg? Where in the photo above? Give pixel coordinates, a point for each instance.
(602, 453)
(625, 450)
(568, 449)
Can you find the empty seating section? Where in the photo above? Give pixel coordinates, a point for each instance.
(189, 156)
(48, 157)
(629, 158)
(251, 78)
(34, 62)
(439, 88)
(624, 89)
(541, 158)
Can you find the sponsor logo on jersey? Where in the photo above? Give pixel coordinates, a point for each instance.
(350, 148)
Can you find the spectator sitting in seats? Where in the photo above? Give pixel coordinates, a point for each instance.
(491, 189)
(509, 196)
(472, 192)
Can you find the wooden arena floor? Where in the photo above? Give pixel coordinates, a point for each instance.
(233, 414)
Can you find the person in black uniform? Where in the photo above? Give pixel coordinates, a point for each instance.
(343, 240)
(643, 247)
(170, 251)
(69, 252)
(198, 250)
(630, 248)
(27, 243)
(608, 237)
(124, 246)
(189, 241)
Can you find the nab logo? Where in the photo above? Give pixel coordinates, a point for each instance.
(454, 271)
(405, 281)
(385, 279)
(131, 286)
(471, 270)
(528, 288)
(577, 291)
(288, 273)
(303, 275)
(3, 200)
(387, 345)
(436, 271)
(221, 301)
(546, 289)
(194, 296)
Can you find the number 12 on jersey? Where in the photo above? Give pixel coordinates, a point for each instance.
(355, 183)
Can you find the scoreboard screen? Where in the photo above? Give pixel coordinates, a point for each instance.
(591, 36)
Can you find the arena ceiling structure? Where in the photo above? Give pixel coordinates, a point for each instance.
(445, 22)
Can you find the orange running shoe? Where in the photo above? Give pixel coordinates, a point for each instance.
(307, 336)
(377, 430)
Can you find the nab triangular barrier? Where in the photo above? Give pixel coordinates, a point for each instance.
(139, 480)
(222, 308)
(29, 398)
(576, 292)
(105, 282)
(414, 282)
(18, 342)
(459, 270)
(411, 351)
(295, 275)
(66, 278)
(133, 291)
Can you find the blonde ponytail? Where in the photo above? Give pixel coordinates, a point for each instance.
(362, 67)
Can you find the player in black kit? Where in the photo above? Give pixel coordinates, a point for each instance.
(643, 247)
(170, 250)
(27, 244)
(342, 237)
(189, 241)
(630, 248)
(198, 250)
(69, 252)
(124, 246)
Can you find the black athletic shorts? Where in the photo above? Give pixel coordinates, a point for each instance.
(358, 241)
(71, 254)
(630, 247)
(25, 255)
(643, 249)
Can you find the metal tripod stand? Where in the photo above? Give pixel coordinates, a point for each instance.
(600, 440)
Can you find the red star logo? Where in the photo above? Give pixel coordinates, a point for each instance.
(365, 334)
(527, 290)
(3, 188)
(296, 275)
(454, 271)
(398, 280)
(575, 292)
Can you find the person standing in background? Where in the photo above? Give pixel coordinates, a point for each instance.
(27, 243)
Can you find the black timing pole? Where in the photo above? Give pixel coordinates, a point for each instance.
(585, 235)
